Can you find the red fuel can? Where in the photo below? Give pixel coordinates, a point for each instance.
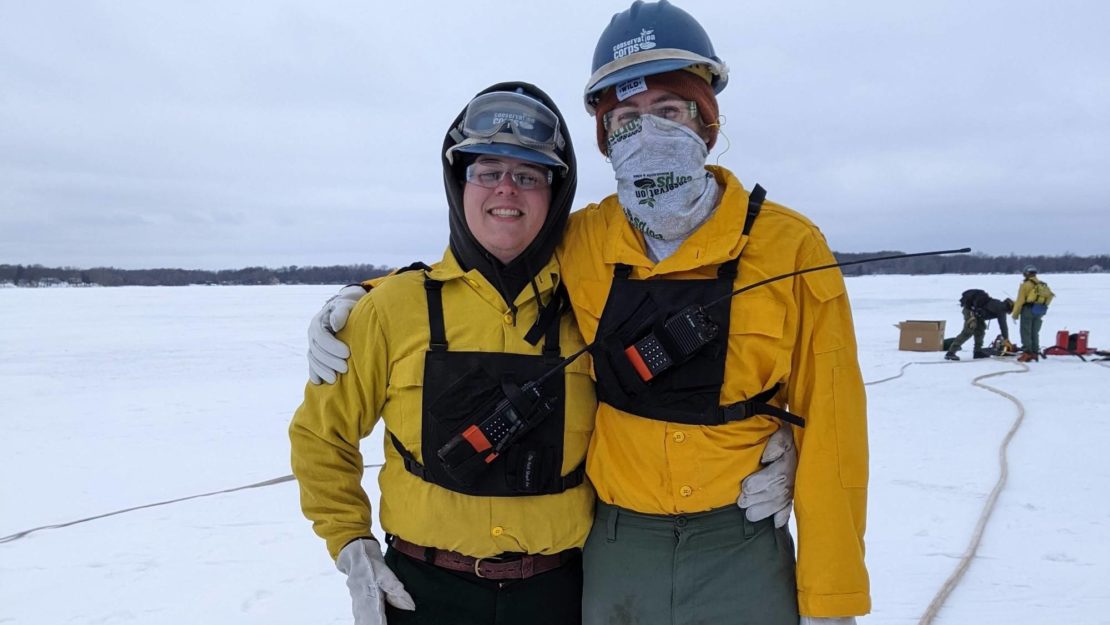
(1081, 342)
(1062, 339)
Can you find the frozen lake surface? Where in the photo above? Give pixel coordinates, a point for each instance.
(116, 398)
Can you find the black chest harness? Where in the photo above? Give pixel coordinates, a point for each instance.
(663, 346)
(492, 423)
(487, 427)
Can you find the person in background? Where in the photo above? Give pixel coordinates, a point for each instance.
(978, 309)
(502, 544)
(684, 531)
(1030, 307)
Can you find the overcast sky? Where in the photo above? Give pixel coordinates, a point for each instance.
(226, 134)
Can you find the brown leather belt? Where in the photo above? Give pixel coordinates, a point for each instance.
(511, 567)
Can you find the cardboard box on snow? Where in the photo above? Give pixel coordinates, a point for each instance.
(921, 336)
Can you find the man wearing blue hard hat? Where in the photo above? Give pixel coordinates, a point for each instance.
(687, 418)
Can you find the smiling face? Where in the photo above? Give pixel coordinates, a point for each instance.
(506, 218)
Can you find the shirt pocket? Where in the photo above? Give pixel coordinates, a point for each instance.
(404, 404)
(759, 315)
(851, 426)
(589, 301)
(755, 344)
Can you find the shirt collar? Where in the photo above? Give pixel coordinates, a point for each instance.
(449, 269)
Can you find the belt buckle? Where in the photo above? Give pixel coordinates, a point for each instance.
(477, 564)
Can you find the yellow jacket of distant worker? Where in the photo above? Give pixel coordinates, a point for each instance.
(796, 331)
(388, 334)
(1028, 294)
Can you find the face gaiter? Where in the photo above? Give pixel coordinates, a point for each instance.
(662, 184)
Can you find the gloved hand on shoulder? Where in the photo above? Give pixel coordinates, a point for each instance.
(368, 578)
(770, 490)
(327, 355)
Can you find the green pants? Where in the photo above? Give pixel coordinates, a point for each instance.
(1030, 330)
(445, 597)
(712, 567)
(973, 326)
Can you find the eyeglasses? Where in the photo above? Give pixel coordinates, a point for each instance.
(679, 111)
(525, 178)
(533, 124)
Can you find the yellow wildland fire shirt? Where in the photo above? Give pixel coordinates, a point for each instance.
(388, 335)
(1031, 291)
(797, 331)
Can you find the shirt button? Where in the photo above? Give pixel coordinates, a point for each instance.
(497, 531)
(472, 282)
(509, 318)
(679, 436)
(686, 491)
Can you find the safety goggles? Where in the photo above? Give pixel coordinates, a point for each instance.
(678, 111)
(490, 175)
(529, 120)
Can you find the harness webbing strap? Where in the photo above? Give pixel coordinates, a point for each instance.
(434, 289)
(758, 405)
(755, 203)
(548, 322)
(411, 464)
(567, 482)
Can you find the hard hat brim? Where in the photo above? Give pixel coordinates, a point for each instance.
(611, 74)
(512, 151)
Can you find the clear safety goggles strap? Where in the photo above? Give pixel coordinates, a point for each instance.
(533, 123)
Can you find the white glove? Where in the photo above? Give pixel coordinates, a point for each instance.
(836, 620)
(327, 355)
(770, 490)
(368, 577)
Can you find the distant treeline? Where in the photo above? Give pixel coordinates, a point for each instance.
(971, 263)
(39, 276)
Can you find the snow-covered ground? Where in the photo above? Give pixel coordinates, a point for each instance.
(116, 398)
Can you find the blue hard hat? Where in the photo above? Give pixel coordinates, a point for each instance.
(651, 38)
